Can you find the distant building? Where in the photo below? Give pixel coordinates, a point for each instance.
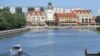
(42, 9)
(31, 8)
(58, 10)
(67, 10)
(37, 9)
(36, 18)
(24, 10)
(84, 16)
(1, 7)
(99, 12)
(18, 9)
(66, 18)
(6, 8)
(12, 9)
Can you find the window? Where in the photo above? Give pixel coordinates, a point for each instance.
(38, 14)
(90, 20)
(33, 17)
(42, 17)
(38, 18)
(33, 20)
(86, 20)
(83, 20)
(33, 14)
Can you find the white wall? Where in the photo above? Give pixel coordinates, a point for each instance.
(12, 9)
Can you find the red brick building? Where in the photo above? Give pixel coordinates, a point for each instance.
(65, 18)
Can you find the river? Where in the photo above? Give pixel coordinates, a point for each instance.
(52, 42)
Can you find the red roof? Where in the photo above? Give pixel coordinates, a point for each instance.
(71, 15)
(82, 11)
(36, 13)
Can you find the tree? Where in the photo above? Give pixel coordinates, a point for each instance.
(98, 21)
(11, 21)
(18, 10)
(20, 20)
(1, 10)
(6, 8)
(3, 22)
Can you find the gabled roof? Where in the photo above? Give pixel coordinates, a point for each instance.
(71, 15)
(36, 13)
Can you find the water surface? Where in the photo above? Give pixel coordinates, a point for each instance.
(52, 42)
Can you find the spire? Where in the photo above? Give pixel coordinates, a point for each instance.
(50, 5)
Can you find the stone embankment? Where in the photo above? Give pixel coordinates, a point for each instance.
(51, 27)
(5, 32)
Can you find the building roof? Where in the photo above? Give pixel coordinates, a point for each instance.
(82, 11)
(71, 15)
(36, 13)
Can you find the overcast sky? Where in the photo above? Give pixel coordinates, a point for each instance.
(85, 4)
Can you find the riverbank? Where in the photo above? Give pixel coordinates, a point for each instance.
(12, 31)
(40, 28)
(51, 27)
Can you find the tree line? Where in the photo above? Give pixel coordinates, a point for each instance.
(11, 21)
(98, 21)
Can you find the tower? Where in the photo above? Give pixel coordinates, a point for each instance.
(49, 14)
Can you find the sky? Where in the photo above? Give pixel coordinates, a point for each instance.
(94, 5)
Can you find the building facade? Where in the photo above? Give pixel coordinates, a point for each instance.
(84, 16)
(66, 18)
(51, 15)
(36, 18)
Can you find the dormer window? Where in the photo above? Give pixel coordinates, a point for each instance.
(33, 14)
(38, 14)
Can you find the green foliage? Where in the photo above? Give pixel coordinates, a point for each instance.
(6, 8)
(11, 21)
(98, 19)
(19, 20)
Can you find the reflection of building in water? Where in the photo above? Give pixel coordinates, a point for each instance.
(85, 29)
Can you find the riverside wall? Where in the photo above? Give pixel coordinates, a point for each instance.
(6, 32)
